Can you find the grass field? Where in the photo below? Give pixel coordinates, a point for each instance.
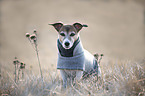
(118, 79)
(116, 29)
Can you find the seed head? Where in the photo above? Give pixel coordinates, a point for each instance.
(27, 35)
(22, 66)
(16, 61)
(102, 54)
(96, 55)
(33, 36)
(34, 31)
(22, 63)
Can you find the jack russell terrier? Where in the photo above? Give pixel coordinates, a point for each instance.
(74, 61)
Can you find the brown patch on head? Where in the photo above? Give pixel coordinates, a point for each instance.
(68, 28)
(69, 32)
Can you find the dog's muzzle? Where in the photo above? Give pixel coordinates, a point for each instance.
(67, 44)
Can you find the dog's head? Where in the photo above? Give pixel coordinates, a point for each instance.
(68, 34)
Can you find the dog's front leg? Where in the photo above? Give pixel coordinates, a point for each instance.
(78, 76)
(64, 78)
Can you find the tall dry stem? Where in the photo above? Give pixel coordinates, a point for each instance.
(33, 40)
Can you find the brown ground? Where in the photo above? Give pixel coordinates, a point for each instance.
(116, 29)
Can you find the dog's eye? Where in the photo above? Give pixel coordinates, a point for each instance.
(62, 34)
(72, 34)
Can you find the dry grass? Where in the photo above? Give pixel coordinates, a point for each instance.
(118, 79)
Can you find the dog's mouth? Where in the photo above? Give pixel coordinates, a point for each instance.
(67, 47)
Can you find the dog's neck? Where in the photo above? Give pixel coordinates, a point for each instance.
(67, 52)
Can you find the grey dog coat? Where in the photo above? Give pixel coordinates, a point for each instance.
(75, 58)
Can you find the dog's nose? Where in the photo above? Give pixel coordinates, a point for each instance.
(66, 43)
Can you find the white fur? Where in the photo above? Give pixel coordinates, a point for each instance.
(66, 39)
(70, 43)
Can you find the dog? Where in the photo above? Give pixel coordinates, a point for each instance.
(74, 62)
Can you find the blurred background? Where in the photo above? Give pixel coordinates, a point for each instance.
(116, 29)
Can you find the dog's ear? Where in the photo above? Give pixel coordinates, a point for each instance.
(79, 26)
(57, 26)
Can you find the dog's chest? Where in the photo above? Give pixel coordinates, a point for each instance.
(72, 59)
